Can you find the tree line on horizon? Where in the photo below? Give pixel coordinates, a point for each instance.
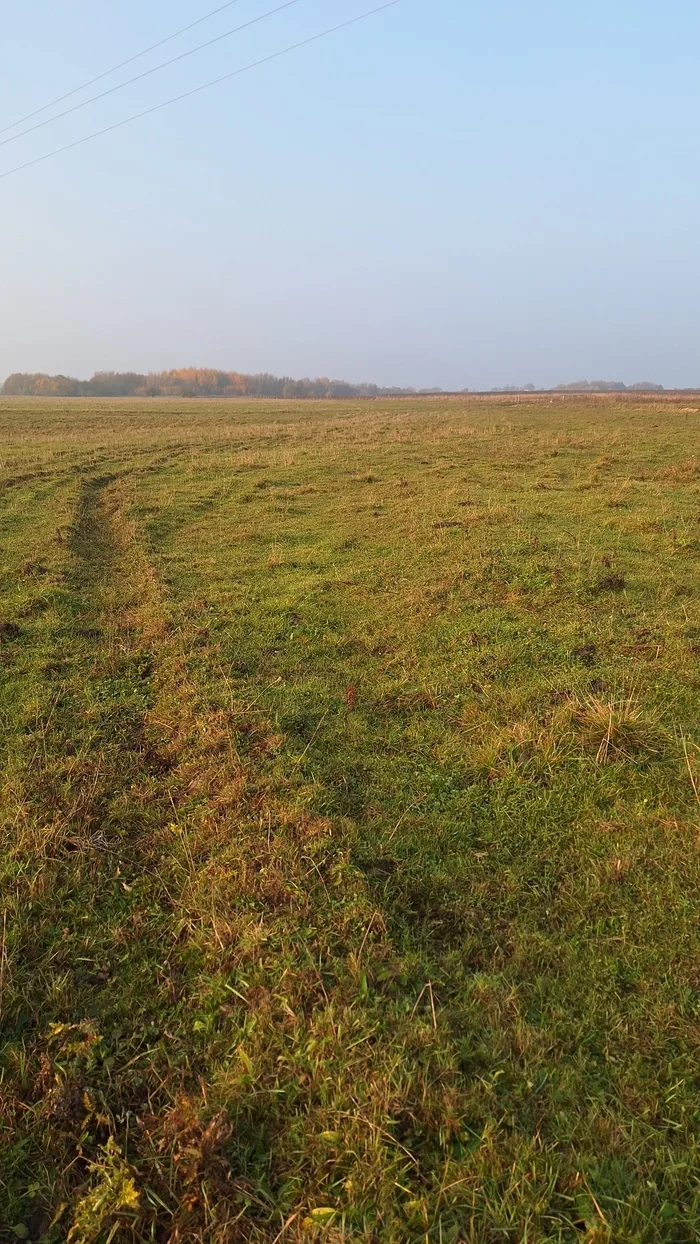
(190, 382)
(586, 386)
(207, 382)
(609, 386)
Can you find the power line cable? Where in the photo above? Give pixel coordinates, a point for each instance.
(147, 72)
(293, 47)
(122, 65)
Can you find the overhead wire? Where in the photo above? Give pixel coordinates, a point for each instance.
(264, 60)
(254, 21)
(122, 65)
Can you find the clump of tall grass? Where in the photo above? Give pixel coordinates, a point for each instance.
(617, 729)
(275, 558)
(610, 728)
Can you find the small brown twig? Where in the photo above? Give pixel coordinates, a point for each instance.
(286, 1226)
(400, 821)
(3, 957)
(690, 769)
(367, 933)
(432, 1004)
(427, 988)
(358, 1118)
(313, 736)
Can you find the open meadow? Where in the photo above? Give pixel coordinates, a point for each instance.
(350, 803)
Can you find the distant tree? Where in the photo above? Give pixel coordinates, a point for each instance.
(41, 385)
(18, 385)
(115, 384)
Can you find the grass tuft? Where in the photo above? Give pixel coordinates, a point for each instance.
(617, 729)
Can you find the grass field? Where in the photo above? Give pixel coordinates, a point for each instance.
(350, 805)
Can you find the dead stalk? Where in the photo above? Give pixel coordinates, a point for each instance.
(313, 736)
(690, 769)
(3, 958)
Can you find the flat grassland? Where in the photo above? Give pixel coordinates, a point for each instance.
(350, 803)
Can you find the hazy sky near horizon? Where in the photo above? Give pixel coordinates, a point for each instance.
(453, 192)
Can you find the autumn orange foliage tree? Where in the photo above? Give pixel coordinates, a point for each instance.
(187, 382)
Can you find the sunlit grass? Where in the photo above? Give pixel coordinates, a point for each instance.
(350, 815)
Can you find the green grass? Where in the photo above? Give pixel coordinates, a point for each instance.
(350, 821)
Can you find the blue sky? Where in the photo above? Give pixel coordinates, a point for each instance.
(454, 193)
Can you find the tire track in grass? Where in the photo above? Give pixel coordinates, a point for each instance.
(81, 921)
(162, 908)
